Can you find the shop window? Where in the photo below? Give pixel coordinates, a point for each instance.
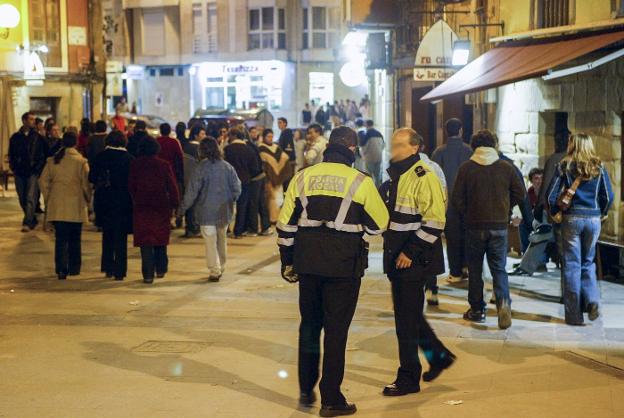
(263, 30)
(153, 31)
(166, 72)
(552, 13)
(45, 29)
(204, 27)
(320, 27)
(180, 71)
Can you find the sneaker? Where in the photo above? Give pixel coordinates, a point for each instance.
(454, 279)
(432, 298)
(519, 272)
(475, 316)
(436, 369)
(267, 232)
(214, 278)
(249, 234)
(593, 312)
(504, 315)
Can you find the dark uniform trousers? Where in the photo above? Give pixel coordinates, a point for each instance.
(115, 251)
(412, 328)
(326, 303)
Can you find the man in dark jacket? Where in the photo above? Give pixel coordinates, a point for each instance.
(245, 162)
(449, 157)
(485, 190)
(287, 144)
(140, 132)
(28, 152)
(96, 142)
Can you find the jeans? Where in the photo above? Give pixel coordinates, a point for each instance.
(154, 261)
(579, 237)
(27, 188)
(115, 251)
(374, 169)
(215, 238)
(190, 226)
(328, 304)
(534, 256)
(524, 230)
(412, 329)
(492, 243)
(67, 248)
(257, 206)
(455, 232)
(242, 208)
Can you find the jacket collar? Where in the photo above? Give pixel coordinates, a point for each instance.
(338, 154)
(238, 141)
(485, 156)
(397, 169)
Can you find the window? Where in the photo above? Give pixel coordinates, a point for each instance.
(263, 32)
(617, 7)
(166, 72)
(320, 27)
(153, 31)
(204, 27)
(45, 29)
(552, 13)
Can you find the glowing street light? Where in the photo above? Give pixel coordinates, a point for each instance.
(9, 18)
(461, 53)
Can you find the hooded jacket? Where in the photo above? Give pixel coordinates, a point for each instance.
(486, 189)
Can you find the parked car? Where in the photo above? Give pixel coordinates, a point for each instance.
(153, 122)
(250, 117)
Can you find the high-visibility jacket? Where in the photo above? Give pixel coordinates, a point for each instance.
(327, 209)
(417, 204)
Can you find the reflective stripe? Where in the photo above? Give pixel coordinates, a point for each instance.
(287, 242)
(404, 227)
(286, 228)
(406, 210)
(347, 200)
(302, 196)
(309, 223)
(373, 231)
(434, 225)
(426, 237)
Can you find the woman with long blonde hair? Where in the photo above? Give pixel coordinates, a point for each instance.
(580, 226)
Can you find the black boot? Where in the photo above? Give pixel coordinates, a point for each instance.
(401, 389)
(437, 368)
(307, 399)
(338, 410)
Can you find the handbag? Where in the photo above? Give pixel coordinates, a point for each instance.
(565, 200)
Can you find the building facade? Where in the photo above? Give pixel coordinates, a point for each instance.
(51, 63)
(181, 56)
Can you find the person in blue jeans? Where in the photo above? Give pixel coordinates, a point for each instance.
(580, 226)
(486, 188)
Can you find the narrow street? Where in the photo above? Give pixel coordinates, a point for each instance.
(184, 347)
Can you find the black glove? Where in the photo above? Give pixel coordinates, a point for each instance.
(288, 274)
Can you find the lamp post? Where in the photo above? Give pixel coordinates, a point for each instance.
(9, 18)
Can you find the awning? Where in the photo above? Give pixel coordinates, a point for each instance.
(145, 4)
(509, 63)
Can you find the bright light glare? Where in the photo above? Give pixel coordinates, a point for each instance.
(9, 16)
(352, 74)
(282, 374)
(355, 39)
(193, 70)
(461, 53)
(44, 49)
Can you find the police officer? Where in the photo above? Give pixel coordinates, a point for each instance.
(417, 204)
(327, 209)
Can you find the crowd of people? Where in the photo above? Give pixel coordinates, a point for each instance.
(322, 195)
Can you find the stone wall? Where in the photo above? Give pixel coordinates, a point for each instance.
(594, 102)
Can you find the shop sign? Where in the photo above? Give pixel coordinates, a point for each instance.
(114, 84)
(435, 54)
(77, 35)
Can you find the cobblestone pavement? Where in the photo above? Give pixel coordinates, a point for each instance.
(183, 347)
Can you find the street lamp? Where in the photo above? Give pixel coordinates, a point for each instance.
(461, 53)
(9, 18)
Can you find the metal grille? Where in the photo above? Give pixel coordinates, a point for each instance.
(553, 13)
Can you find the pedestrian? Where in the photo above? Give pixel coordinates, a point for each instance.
(83, 136)
(96, 142)
(485, 190)
(140, 132)
(450, 157)
(171, 151)
(27, 157)
(66, 193)
(326, 211)
(154, 192)
(258, 208)
(245, 162)
(372, 148)
(306, 115)
(287, 144)
(320, 117)
(112, 204)
(579, 196)
(316, 144)
(277, 168)
(118, 122)
(122, 106)
(417, 205)
(189, 146)
(212, 192)
(53, 139)
(223, 137)
(191, 161)
(300, 144)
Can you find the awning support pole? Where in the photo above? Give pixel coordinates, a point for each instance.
(584, 67)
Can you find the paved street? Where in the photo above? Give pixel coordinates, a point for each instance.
(184, 347)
